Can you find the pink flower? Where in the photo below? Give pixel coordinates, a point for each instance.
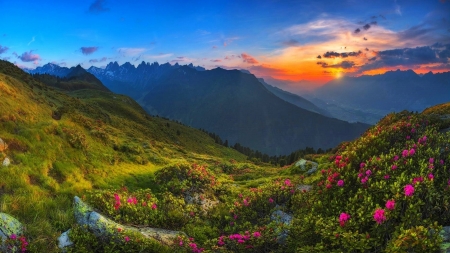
(390, 204)
(396, 158)
(127, 238)
(360, 175)
(246, 203)
(394, 167)
(343, 218)
(368, 172)
(340, 183)
(362, 165)
(13, 236)
(430, 176)
(441, 162)
(405, 153)
(256, 234)
(378, 216)
(287, 182)
(409, 190)
(386, 177)
(180, 243)
(417, 180)
(431, 160)
(270, 200)
(364, 180)
(154, 206)
(408, 137)
(413, 130)
(412, 151)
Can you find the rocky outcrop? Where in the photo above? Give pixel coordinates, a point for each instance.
(445, 233)
(6, 162)
(103, 227)
(308, 166)
(284, 219)
(8, 226)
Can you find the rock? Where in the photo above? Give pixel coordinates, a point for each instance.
(302, 163)
(283, 218)
(64, 240)
(103, 227)
(3, 145)
(6, 162)
(195, 198)
(8, 226)
(445, 233)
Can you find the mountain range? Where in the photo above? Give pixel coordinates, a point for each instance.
(232, 104)
(369, 98)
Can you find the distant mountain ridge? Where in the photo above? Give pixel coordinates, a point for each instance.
(378, 95)
(240, 109)
(76, 78)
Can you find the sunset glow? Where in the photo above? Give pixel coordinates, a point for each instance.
(295, 41)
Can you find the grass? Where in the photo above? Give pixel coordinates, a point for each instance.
(103, 140)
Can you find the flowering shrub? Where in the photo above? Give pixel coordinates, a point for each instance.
(15, 243)
(395, 192)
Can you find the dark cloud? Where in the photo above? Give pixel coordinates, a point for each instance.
(88, 50)
(410, 57)
(319, 57)
(98, 60)
(357, 30)
(366, 27)
(291, 43)
(343, 64)
(248, 58)
(373, 17)
(364, 38)
(98, 6)
(373, 58)
(373, 23)
(367, 49)
(216, 60)
(333, 54)
(382, 17)
(29, 57)
(3, 49)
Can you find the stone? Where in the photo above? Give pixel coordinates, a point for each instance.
(445, 234)
(64, 240)
(283, 218)
(3, 145)
(8, 226)
(6, 162)
(103, 227)
(302, 163)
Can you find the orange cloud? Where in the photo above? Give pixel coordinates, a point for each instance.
(248, 59)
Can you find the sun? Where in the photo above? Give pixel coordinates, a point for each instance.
(338, 75)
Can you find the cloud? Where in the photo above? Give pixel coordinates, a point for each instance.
(333, 54)
(398, 11)
(409, 57)
(231, 57)
(214, 47)
(291, 43)
(129, 51)
(319, 57)
(343, 64)
(158, 56)
(32, 40)
(98, 6)
(366, 27)
(216, 60)
(3, 49)
(357, 30)
(248, 59)
(29, 57)
(374, 23)
(98, 60)
(88, 50)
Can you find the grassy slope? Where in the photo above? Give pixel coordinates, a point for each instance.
(102, 140)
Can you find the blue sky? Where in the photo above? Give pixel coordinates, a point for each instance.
(278, 39)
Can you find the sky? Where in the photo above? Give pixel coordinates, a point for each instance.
(310, 41)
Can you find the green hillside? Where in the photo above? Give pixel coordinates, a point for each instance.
(61, 144)
(387, 191)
